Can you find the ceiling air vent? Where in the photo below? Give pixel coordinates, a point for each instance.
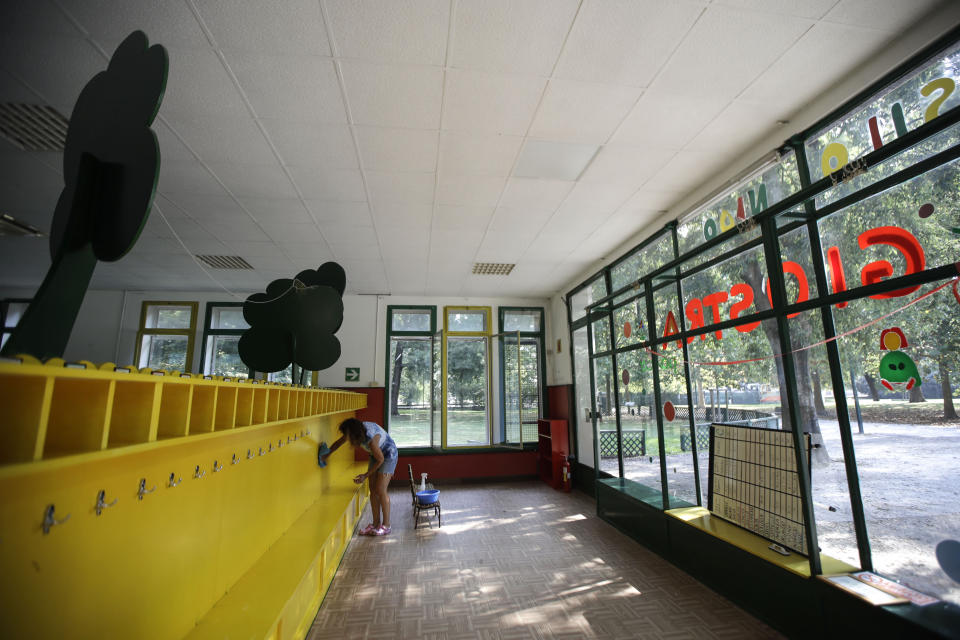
(225, 262)
(492, 268)
(33, 127)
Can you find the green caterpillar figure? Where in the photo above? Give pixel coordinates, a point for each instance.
(896, 367)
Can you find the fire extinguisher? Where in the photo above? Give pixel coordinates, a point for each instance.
(566, 475)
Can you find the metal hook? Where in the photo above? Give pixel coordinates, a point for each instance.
(271, 448)
(171, 483)
(49, 521)
(260, 451)
(198, 474)
(142, 490)
(102, 501)
(235, 459)
(249, 455)
(216, 467)
(279, 444)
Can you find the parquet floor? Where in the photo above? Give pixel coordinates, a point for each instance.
(514, 561)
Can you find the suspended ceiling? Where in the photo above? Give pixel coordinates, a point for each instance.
(408, 140)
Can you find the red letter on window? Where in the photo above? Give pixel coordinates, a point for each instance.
(838, 279)
(797, 271)
(694, 310)
(713, 301)
(905, 243)
(745, 290)
(670, 328)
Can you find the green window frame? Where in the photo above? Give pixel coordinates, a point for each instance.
(143, 358)
(210, 335)
(529, 433)
(403, 434)
(6, 325)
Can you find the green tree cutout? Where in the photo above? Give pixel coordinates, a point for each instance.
(111, 161)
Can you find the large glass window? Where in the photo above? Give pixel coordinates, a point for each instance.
(409, 371)
(467, 378)
(521, 372)
(165, 338)
(11, 310)
(221, 333)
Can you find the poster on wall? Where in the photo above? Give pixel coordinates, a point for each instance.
(754, 482)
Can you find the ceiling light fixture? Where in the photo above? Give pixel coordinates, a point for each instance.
(492, 268)
(10, 226)
(33, 127)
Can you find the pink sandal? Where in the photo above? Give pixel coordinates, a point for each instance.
(382, 531)
(368, 530)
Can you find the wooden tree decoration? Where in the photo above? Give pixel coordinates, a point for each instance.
(294, 321)
(110, 167)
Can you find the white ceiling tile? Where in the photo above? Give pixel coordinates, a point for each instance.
(397, 214)
(729, 130)
(55, 67)
(574, 222)
(313, 253)
(337, 185)
(394, 31)
(287, 210)
(254, 181)
(553, 160)
(667, 120)
(476, 190)
(624, 41)
(504, 246)
(223, 139)
(552, 246)
(401, 243)
(302, 88)
(187, 177)
(171, 24)
(725, 50)
(653, 196)
(595, 198)
(812, 9)
(13, 90)
(581, 111)
(199, 84)
(888, 15)
(453, 217)
(170, 146)
(320, 146)
(404, 187)
(510, 36)
(479, 102)
(489, 154)
(344, 213)
(201, 205)
(406, 276)
(393, 95)
(37, 17)
(252, 26)
(363, 268)
(520, 220)
(386, 149)
(299, 233)
(446, 244)
(627, 165)
(251, 249)
(238, 228)
(809, 66)
(535, 194)
(687, 170)
(349, 235)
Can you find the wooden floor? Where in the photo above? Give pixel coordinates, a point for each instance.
(517, 560)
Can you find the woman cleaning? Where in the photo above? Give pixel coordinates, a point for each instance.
(373, 439)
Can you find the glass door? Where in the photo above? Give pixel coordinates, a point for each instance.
(437, 407)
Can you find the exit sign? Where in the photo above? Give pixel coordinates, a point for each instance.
(353, 374)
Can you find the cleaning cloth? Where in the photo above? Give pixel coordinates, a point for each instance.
(322, 451)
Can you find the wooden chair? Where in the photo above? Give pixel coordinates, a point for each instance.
(417, 507)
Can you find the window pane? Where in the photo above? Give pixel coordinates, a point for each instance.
(677, 441)
(467, 392)
(282, 376)
(521, 321)
(410, 320)
(467, 321)
(223, 357)
(899, 108)
(643, 261)
(15, 311)
(601, 335)
(638, 422)
(908, 448)
(629, 322)
(579, 301)
(409, 388)
(228, 318)
(581, 380)
(511, 389)
(168, 317)
(521, 377)
(606, 417)
(742, 202)
(164, 352)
